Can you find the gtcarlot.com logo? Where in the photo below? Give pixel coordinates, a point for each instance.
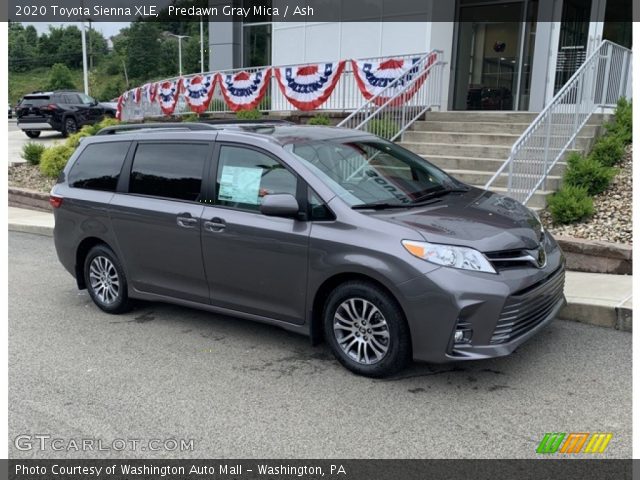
(46, 442)
(574, 442)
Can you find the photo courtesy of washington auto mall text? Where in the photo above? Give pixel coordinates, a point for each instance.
(339, 239)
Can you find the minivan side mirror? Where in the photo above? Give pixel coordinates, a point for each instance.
(280, 205)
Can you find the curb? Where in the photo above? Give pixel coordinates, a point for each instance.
(596, 256)
(33, 229)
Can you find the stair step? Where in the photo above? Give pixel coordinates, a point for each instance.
(483, 139)
(475, 177)
(455, 150)
(478, 164)
(469, 127)
(482, 116)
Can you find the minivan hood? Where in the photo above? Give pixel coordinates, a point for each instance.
(479, 219)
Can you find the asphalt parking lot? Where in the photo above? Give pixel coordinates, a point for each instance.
(17, 139)
(240, 389)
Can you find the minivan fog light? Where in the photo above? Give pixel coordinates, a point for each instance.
(449, 255)
(462, 336)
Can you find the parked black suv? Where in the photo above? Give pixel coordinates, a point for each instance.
(64, 111)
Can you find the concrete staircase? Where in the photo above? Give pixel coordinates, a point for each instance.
(471, 146)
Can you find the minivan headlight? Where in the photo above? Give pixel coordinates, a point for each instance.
(449, 255)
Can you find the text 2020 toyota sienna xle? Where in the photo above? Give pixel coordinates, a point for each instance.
(332, 233)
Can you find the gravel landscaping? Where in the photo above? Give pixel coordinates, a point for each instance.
(611, 221)
(28, 176)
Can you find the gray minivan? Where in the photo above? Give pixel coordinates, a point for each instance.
(332, 233)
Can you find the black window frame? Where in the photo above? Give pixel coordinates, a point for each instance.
(123, 186)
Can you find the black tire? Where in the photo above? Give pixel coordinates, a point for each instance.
(69, 126)
(115, 304)
(32, 133)
(398, 346)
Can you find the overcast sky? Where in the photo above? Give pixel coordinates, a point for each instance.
(108, 29)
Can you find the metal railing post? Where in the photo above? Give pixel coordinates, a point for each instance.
(605, 85)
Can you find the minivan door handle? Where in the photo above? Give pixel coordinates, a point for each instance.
(215, 225)
(185, 220)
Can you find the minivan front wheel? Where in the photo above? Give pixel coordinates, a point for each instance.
(366, 329)
(106, 281)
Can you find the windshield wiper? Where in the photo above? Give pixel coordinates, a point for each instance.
(439, 193)
(381, 206)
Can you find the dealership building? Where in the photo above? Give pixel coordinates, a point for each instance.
(521, 63)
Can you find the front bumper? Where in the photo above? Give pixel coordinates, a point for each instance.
(447, 299)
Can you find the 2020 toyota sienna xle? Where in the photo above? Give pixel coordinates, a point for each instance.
(328, 232)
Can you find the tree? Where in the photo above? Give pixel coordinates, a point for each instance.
(60, 78)
(143, 50)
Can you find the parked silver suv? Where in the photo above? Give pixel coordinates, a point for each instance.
(332, 233)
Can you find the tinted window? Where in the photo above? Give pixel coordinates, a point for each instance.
(35, 101)
(71, 98)
(245, 176)
(170, 170)
(99, 165)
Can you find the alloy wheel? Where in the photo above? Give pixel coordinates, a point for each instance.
(361, 331)
(104, 280)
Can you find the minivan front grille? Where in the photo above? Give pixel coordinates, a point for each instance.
(525, 310)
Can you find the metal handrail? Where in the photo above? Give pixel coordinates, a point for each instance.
(535, 153)
(396, 110)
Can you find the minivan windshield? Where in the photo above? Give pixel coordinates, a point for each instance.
(375, 173)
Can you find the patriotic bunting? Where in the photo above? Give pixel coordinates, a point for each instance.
(198, 91)
(149, 91)
(244, 90)
(309, 86)
(137, 94)
(122, 100)
(168, 95)
(373, 77)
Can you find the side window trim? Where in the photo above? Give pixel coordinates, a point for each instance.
(301, 184)
(125, 174)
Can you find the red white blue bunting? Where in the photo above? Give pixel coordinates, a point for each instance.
(168, 95)
(309, 86)
(198, 91)
(373, 77)
(122, 100)
(244, 90)
(149, 92)
(137, 94)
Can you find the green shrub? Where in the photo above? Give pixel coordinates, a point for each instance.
(54, 159)
(74, 140)
(608, 150)
(32, 152)
(60, 77)
(622, 124)
(570, 204)
(248, 115)
(588, 173)
(320, 119)
(383, 127)
(189, 117)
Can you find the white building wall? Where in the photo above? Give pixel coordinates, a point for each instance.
(316, 42)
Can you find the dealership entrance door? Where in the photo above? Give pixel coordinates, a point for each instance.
(492, 66)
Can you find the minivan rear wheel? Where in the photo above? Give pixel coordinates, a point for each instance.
(106, 281)
(366, 329)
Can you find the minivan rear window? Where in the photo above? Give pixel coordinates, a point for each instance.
(98, 166)
(169, 170)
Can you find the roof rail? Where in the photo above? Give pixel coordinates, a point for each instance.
(249, 122)
(133, 127)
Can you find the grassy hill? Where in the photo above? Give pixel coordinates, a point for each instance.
(101, 85)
